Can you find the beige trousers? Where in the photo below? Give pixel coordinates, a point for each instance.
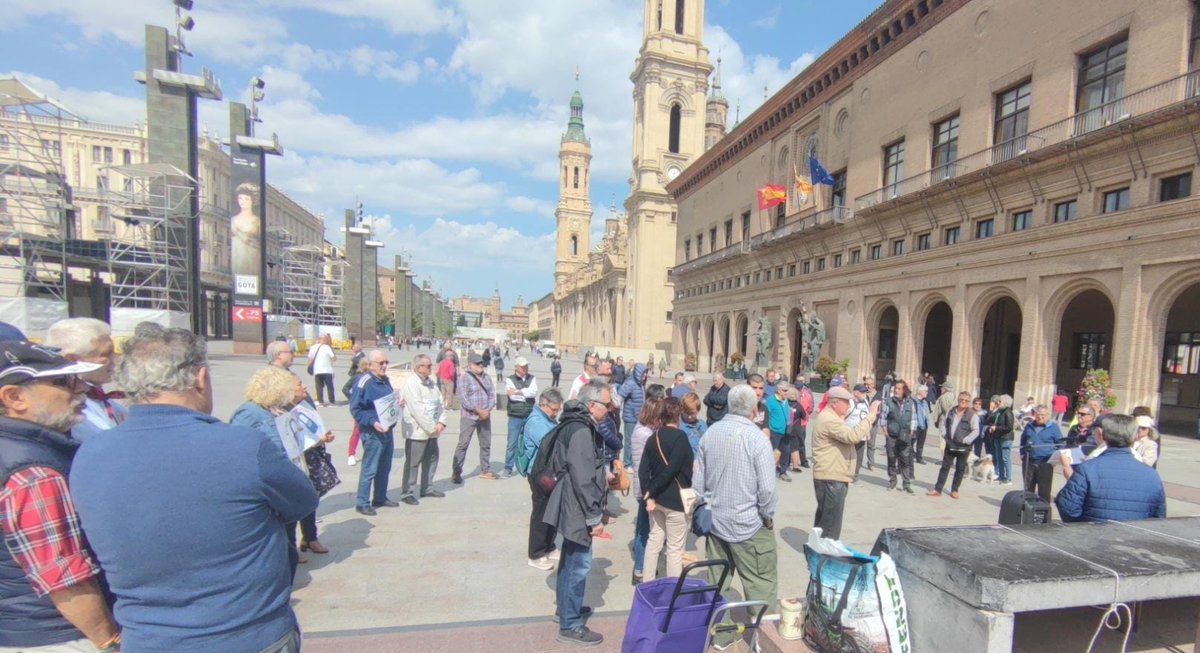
(668, 530)
(73, 646)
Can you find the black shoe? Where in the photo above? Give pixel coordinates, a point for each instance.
(804, 464)
(908, 489)
(456, 478)
(436, 494)
(783, 476)
(584, 613)
(410, 500)
(582, 637)
(637, 579)
(891, 486)
(919, 461)
(386, 503)
(368, 511)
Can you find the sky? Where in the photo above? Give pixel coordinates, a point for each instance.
(443, 117)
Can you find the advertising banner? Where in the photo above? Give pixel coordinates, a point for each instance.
(247, 225)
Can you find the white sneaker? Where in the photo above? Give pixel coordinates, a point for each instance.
(554, 555)
(541, 563)
(351, 461)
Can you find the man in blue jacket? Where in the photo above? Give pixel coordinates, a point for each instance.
(1040, 440)
(169, 472)
(633, 396)
(1114, 485)
(377, 440)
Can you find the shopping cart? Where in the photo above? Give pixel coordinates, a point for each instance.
(754, 612)
(673, 615)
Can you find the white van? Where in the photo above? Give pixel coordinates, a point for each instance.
(547, 348)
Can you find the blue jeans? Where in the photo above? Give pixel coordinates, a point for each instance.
(515, 426)
(573, 568)
(627, 451)
(1002, 459)
(375, 468)
(641, 533)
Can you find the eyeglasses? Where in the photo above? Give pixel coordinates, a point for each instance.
(605, 406)
(66, 381)
(1084, 413)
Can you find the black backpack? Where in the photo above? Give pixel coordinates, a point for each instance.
(541, 472)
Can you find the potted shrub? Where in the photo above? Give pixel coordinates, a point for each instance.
(737, 366)
(1097, 384)
(827, 368)
(689, 362)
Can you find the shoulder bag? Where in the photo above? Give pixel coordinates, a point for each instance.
(313, 359)
(687, 494)
(321, 471)
(620, 481)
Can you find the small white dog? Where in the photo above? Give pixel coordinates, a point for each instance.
(982, 469)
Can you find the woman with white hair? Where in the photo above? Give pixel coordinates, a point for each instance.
(90, 340)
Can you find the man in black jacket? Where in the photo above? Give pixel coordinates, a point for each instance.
(900, 424)
(716, 401)
(576, 504)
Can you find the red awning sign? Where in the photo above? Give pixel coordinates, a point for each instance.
(247, 314)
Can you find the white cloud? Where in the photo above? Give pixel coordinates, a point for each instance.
(100, 106)
(363, 61)
(532, 205)
(769, 20)
(403, 17)
(743, 78)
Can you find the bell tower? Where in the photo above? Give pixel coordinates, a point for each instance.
(670, 82)
(573, 216)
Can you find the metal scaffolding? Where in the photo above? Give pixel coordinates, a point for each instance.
(34, 196)
(148, 264)
(304, 289)
(329, 300)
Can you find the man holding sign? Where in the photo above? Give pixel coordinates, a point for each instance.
(375, 409)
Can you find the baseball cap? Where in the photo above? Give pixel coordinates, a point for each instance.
(838, 392)
(521, 362)
(9, 332)
(23, 361)
(860, 387)
(474, 359)
(835, 383)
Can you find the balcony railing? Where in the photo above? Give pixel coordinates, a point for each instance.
(708, 259)
(811, 222)
(1177, 90)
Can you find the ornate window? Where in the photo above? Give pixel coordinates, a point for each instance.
(673, 135)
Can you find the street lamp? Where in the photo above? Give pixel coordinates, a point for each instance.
(256, 95)
(183, 23)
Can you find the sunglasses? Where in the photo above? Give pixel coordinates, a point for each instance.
(66, 381)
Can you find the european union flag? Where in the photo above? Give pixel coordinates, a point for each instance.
(819, 174)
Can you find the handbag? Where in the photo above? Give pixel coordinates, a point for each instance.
(620, 481)
(312, 360)
(687, 495)
(321, 471)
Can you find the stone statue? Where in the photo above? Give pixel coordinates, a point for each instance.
(812, 332)
(762, 339)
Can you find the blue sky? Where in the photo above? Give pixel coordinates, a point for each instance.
(443, 116)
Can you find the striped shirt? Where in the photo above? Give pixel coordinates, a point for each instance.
(735, 476)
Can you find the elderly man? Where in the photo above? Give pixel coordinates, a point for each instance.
(960, 428)
(575, 507)
(228, 590)
(90, 340)
(679, 386)
(1113, 485)
(591, 364)
(834, 443)
(900, 428)
(280, 354)
(716, 401)
(735, 476)
(321, 359)
(521, 388)
(542, 554)
(50, 597)
(1040, 440)
(477, 396)
(424, 422)
(356, 357)
(374, 391)
(778, 412)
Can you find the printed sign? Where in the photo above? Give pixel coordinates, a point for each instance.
(387, 408)
(246, 284)
(300, 429)
(247, 314)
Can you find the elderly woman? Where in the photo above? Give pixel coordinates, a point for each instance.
(1145, 445)
(664, 475)
(999, 429)
(690, 423)
(647, 424)
(90, 340)
(270, 393)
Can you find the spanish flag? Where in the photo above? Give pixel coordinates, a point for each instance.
(804, 188)
(770, 195)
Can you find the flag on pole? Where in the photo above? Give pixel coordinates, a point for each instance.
(770, 195)
(804, 188)
(819, 174)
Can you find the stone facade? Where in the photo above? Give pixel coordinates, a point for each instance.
(1012, 204)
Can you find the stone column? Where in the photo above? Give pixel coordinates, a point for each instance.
(964, 359)
(352, 280)
(1134, 364)
(907, 363)
(1035, 376)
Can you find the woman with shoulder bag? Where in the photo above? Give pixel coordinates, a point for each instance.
(665, 474)
(647, 424)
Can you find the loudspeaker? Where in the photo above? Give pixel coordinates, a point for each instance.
(1021, 507)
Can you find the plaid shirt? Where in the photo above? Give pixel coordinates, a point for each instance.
(475, 396)
(42, 532)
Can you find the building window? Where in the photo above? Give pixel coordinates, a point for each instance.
(1012, 122)
(127, 157)
(728, 233)
(898, 247)
(679, 6)
(820, 264)
(699, 244)
(893, 167)
(876, 252)
(1176, 187)
(687, 250)
(780, 214)
(758, 277)
(837, 260)
(96, 154)
(1194, 51)
(945, 148)
(738, 283)
(1022, 220)
(103, 219)
(101, 182)
(574, 245)
(575, 178)
(746, 227)
(668, 316)
(127, 185)
(1101, 77)
(1064, 211)
(887, 343)
(712, 238)
(923, 242)
(673, 134)
(1089, 351)
(807, 267)
(51, 148)
(792, 270)
(1181, 355)
(950, 235)
(985, 229)
(839, 188)
(108, 155)
(779, 273)
(855, 256)
(1116, 200)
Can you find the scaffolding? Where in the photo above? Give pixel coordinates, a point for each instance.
(329, 302)
(34, 204)
(147, 261)
(304, 287)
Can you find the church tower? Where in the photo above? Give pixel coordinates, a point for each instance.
(573, 216)
(717, 116)
(670, 81)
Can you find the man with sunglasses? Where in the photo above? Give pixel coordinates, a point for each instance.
(377, 438)
(425, 420)
(50, 595)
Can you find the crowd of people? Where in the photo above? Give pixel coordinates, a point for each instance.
(81, 571)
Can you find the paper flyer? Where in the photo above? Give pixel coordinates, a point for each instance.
(387, 408)
(300, 429)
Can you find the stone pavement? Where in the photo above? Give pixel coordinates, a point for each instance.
(451, 573)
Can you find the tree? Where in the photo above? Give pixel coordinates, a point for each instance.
(533, 336)
(383, 317)
(418, 322)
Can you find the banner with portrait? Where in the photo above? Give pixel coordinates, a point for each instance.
(247, 225)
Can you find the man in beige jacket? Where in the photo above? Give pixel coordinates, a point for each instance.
(424, 421)
(833, 458)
